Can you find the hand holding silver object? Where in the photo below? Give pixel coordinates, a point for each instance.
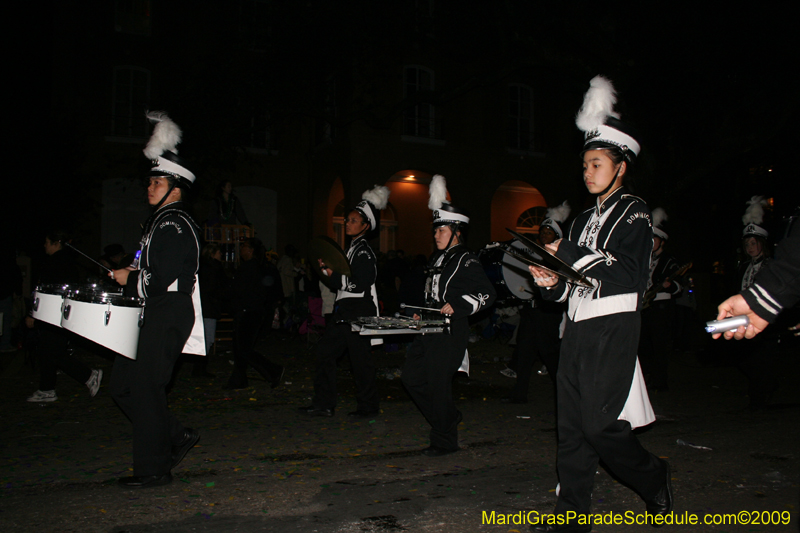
(727, 324)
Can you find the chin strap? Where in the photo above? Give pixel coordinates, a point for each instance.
(169, 191)
(616, 175)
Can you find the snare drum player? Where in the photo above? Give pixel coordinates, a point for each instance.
(356, 296)
(457, 285)
(165, 277)
(600, 389)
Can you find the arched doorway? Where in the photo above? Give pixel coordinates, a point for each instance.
(516, 205)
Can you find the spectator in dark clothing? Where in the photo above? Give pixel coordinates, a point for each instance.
(53, 343)
(252, 290)
(213, 284)
(10, 285)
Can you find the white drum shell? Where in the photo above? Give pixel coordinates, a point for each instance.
(47, 307)
(120, 334)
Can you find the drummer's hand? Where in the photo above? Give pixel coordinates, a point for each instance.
(28, 322)
(553, 246)
(415, 316)
(328, 271)
(542, 277)
(447, 310)
(120, 276)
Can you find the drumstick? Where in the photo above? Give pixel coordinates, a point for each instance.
(403, 306)
(101, 265)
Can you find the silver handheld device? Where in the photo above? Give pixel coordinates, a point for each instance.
(727, 324)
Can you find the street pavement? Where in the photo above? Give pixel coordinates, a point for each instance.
(260, 465)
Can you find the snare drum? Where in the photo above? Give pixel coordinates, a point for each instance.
(510, 276)
(385, 325)
(48, 299)
(109, 319)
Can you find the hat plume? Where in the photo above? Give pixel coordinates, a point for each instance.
(437, 192)
(598, 104)
(166, 135)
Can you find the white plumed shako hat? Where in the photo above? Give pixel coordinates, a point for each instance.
(162, 149)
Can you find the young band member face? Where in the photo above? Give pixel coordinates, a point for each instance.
(599, 170)
(354, 224)
(441, 236)
(51, 247)
(752, 247)
(158, 187)
(546, 235)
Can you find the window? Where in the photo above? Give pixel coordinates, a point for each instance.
(255, 129)
(254, 23)
(338, 223)
(325, 130)
(420, 120)
(520, 117)
(132, 16)
(530, 219)
(131, 96)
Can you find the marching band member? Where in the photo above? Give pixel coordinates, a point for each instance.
(458, 286)
(599, 383)
(756, 359)
(356, 297)
(165, 278)
(53, 344)
(774, 290)
(540, 323)
(655, 342)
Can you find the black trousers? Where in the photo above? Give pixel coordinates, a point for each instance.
(431, 363)
(247, 325)
(598, 357)
(54, 354)
(537, 337)
(655, 343)
(139, 386)
(337, 339)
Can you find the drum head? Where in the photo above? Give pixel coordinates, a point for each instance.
(52, 288)
(510, 276)
(517, 276)
(95, 294)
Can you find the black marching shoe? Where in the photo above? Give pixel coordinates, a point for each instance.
(435, 451)
(179, 451)
(574, 527)
(662, 502)
(363, 413)
(143, 482)
(312, 410)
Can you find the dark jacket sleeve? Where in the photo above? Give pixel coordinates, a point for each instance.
(469, 290)
(667, 267)
(777, 285)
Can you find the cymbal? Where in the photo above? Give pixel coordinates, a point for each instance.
(332, 256)
(542, 258)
